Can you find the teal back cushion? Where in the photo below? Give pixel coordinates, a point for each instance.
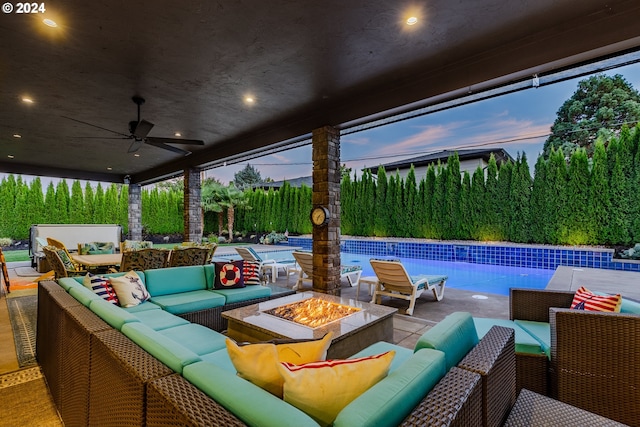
(455, 335)
(210, 275)
(173, 280)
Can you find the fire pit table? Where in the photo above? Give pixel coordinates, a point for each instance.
(355, 324)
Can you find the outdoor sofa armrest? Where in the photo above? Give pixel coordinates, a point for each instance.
(494, 358)
(534, 304)
(456, 400)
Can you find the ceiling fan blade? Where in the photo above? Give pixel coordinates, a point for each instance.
(176, 141)
(135, 146)
(155, 143)
(142, 129)
(99, 137)
(95, 126)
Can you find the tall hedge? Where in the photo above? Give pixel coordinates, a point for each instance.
(572, 201)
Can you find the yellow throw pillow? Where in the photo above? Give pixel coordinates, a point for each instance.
(129, 289)
(323, 389)
(258, 363)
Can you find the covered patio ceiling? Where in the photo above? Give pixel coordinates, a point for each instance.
(306, 64)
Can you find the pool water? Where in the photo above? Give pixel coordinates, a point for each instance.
(494, 279)
(484, 278)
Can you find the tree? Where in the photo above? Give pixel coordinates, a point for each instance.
(247, 177)
(210, 190)
(520, 196)
(601, 104)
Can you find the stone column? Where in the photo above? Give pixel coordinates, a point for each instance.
(135, 212)
(326, 192)
(192, 209)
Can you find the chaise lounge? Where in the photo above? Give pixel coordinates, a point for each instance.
(395, 282)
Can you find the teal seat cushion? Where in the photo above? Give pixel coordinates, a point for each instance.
(393, 398)
(525, 343)
(187, 302)
(431, 279)
(402, 354)
(210, 275)
(84, 295)
(144, 306)
(169, 352)
(160, 319)
(251, 404)
(540, 331)
(173, 280)
(455, 335)
(70, 282)
(220, 358)
(115, 316)
(629, 306)
(197, 338)
(247, 293)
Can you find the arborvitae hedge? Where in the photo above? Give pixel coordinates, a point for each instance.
(569, 201)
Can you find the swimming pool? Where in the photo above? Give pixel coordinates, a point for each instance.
(486, 278)
(494, 279)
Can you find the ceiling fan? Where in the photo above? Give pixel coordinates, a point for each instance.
(138, 131)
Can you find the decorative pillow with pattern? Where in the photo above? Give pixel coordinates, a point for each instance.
(323, 389)
(251, 271)
(68, 264)
(101, 286)
(130, 289)
(584, 299)
(229, 275)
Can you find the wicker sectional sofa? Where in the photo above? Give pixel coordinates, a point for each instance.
(109, 366)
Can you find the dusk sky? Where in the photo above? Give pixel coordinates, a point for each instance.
(519, 115)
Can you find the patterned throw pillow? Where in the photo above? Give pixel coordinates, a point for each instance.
(130, 289)
(251, 272)
(68, 264)
(228, 275)
(323, 389)
(584, 299)
(101, 286)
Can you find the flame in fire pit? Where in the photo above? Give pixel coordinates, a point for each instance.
(312, 312)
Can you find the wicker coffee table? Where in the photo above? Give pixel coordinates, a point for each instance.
(372, 323)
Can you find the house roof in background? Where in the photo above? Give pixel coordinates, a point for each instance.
(295, 182)
(500, 155)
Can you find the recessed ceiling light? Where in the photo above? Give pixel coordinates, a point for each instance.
(10, 156)
(249, 99)
(177, 134)
(16, 135)
(109, 168)
(136, 155)
(27, 100)
(50, 22)
(412, 20)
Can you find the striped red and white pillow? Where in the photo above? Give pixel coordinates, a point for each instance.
(102, 287)
(584, 299)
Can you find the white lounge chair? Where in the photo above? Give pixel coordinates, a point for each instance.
(395, 282)
(305, 261)
(248, 254)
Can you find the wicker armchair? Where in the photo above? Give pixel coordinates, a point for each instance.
(144, 259)
(594, 356)
(189, 255)
(61, 263)
(59, 245)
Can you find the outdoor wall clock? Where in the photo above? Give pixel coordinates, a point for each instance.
(320, 216)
